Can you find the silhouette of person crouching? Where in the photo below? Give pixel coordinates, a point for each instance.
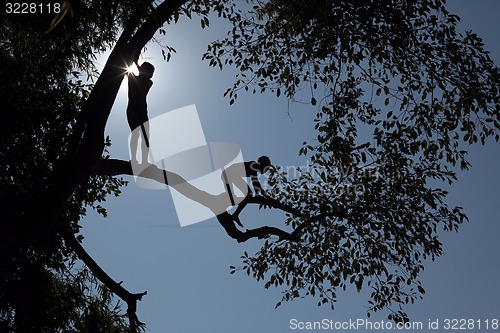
(233, 175)
(137, 110)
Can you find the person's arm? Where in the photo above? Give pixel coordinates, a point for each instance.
(257, 187)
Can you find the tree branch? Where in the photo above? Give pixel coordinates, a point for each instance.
(227, 222)
(116, 288)
(132, 24)
(114, 167)
(268, 201)
(159, 16)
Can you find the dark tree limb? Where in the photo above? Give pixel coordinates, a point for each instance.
(317, 218)
(147, 30)
(114, 167)
(128, 297)
(227, 222)
(268, 201)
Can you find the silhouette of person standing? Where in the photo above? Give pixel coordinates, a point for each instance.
(137, 110)
(234, 175)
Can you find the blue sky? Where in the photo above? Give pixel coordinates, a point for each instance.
(186, 270)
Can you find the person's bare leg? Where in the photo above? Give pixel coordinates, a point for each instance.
(134, 142)
(145, 142)
(241, 206)
(241, 185)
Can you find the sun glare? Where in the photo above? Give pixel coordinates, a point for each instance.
(132, 69)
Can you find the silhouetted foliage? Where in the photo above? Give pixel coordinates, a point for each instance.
(399, 92)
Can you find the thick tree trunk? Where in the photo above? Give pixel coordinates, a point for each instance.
(87, 142)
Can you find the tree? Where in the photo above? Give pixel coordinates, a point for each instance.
(366, 213)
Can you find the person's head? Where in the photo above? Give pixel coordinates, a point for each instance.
(264, 163)
(146, 69)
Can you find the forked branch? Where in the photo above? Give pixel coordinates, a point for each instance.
(114, 167)
(128, 297)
